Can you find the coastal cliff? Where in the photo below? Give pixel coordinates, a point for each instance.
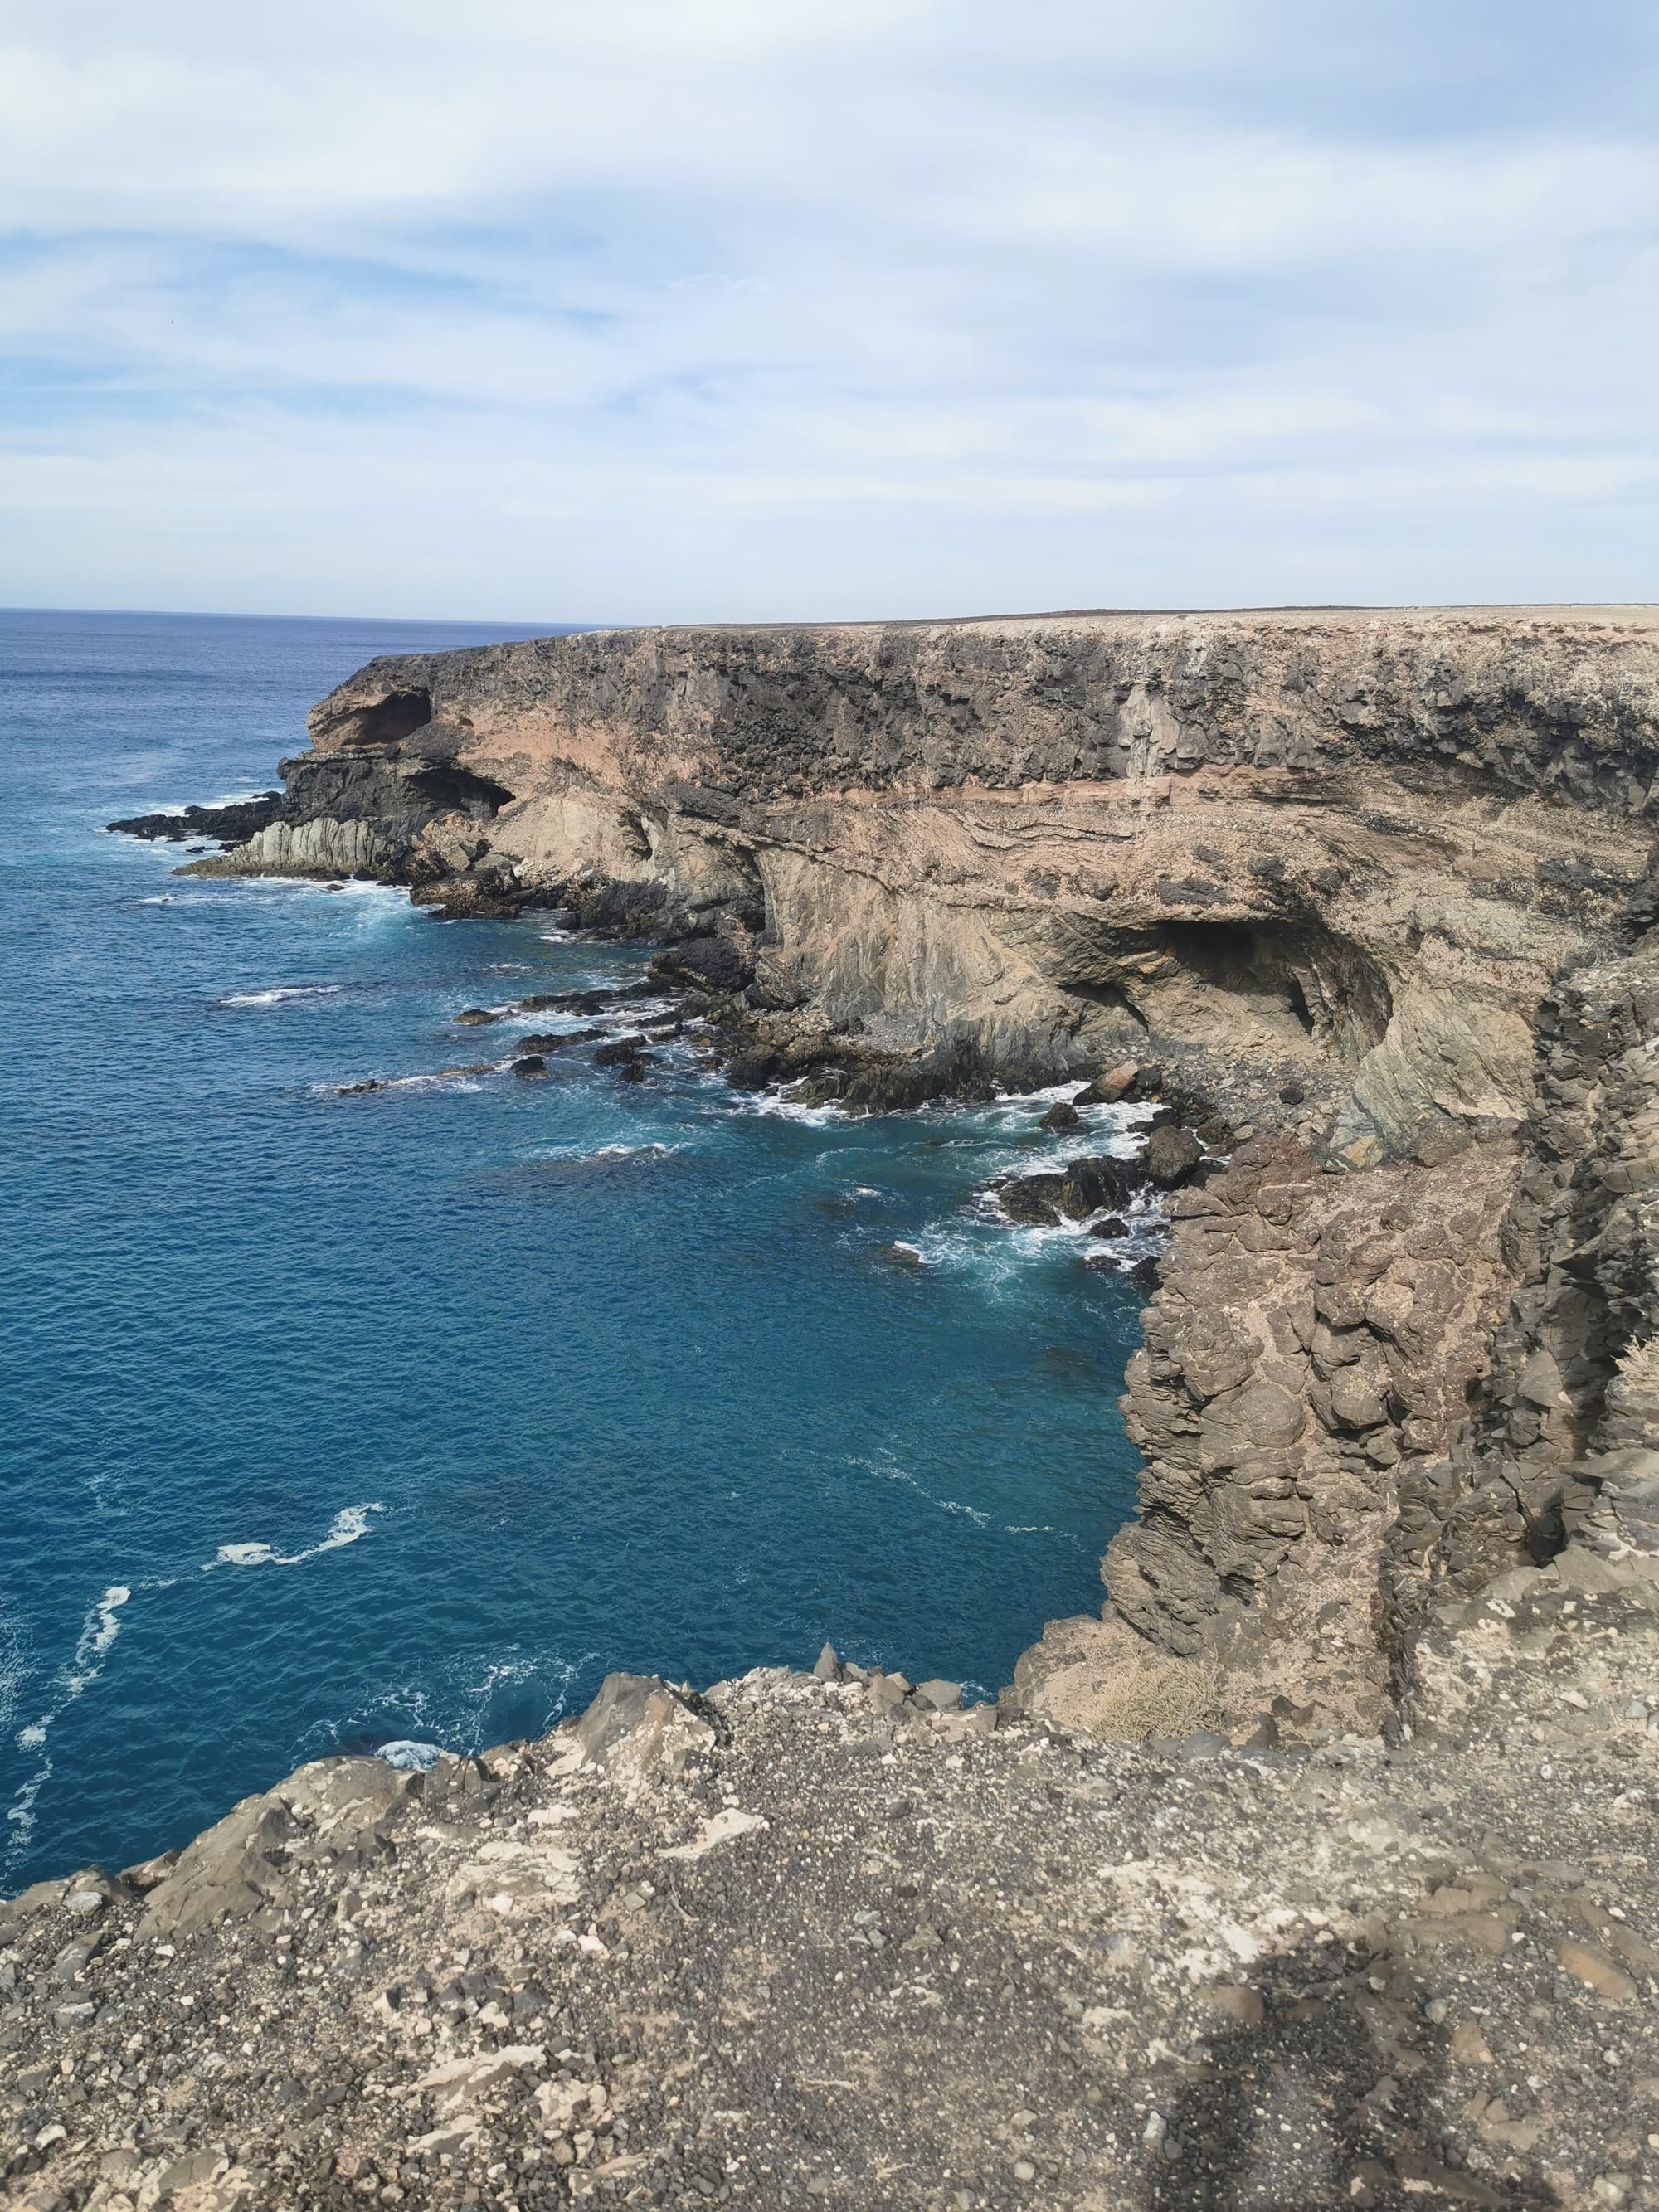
(1316, 1870)
(1368, 892)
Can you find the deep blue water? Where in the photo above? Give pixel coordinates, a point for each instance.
(326, 1421)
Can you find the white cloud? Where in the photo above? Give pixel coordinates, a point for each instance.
(672, 308)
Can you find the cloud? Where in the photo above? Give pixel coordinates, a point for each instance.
(668, 309)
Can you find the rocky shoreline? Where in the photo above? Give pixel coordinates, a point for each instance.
(1313, 1870)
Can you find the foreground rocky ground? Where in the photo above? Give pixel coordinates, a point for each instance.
(813, 1939)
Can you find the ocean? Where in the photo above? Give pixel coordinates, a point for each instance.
(340, 1422)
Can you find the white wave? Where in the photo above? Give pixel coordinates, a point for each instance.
(454, 1079)
(160, 898)
(450, 1709)
(347, 1526)
(280, 994)
(13, 1663)
(409, 1755)
(888, 1470)
(611, 1151)
(242, 1555)
(914, 1251)
(784, 1110)
(98, 1633)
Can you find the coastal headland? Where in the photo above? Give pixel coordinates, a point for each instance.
(1316, 1869)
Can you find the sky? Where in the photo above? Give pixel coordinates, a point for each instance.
(750, 310)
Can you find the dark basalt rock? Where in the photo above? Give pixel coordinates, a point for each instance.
(531, 1064)
(558, 1040)
(566, 1002)
(720, 963)
(1072, 1194)
(227, 825)
(753, 1071)
(620, 1052)
(1062, 1114)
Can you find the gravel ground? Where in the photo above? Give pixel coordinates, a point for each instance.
(810, 1940)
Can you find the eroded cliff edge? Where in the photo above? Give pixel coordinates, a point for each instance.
(1374, 889)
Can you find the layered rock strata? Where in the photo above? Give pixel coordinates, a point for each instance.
(1372, 890)
(1349, 852)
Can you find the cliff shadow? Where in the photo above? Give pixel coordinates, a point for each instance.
(1324, 2091)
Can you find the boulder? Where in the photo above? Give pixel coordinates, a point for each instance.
(1106, 1089)
(1172, 1156)
(641, 1729)
(1062, 1114)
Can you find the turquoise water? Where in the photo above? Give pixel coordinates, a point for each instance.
(331, 1421)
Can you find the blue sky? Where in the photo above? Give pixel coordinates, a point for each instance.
(673, 310)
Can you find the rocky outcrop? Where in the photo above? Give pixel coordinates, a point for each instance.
(1312, 1336)
(233, 823)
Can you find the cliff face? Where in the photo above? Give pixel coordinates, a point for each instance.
(1355, 847)
(1374, 887)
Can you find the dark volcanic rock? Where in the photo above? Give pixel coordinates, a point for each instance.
(1071, 1194)
(558, 1040)
(565, 1002)
(227, 825)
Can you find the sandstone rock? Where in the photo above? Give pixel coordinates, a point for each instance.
(231, 1870)
(939, 1696)
(1116, 1084)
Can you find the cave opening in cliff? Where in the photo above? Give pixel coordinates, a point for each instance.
(1295, 972)
(461, 790)
(391, 719)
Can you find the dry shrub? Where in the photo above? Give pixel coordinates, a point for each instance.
(1160, 1698)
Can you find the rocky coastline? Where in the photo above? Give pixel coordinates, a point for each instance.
(1312, 1871)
